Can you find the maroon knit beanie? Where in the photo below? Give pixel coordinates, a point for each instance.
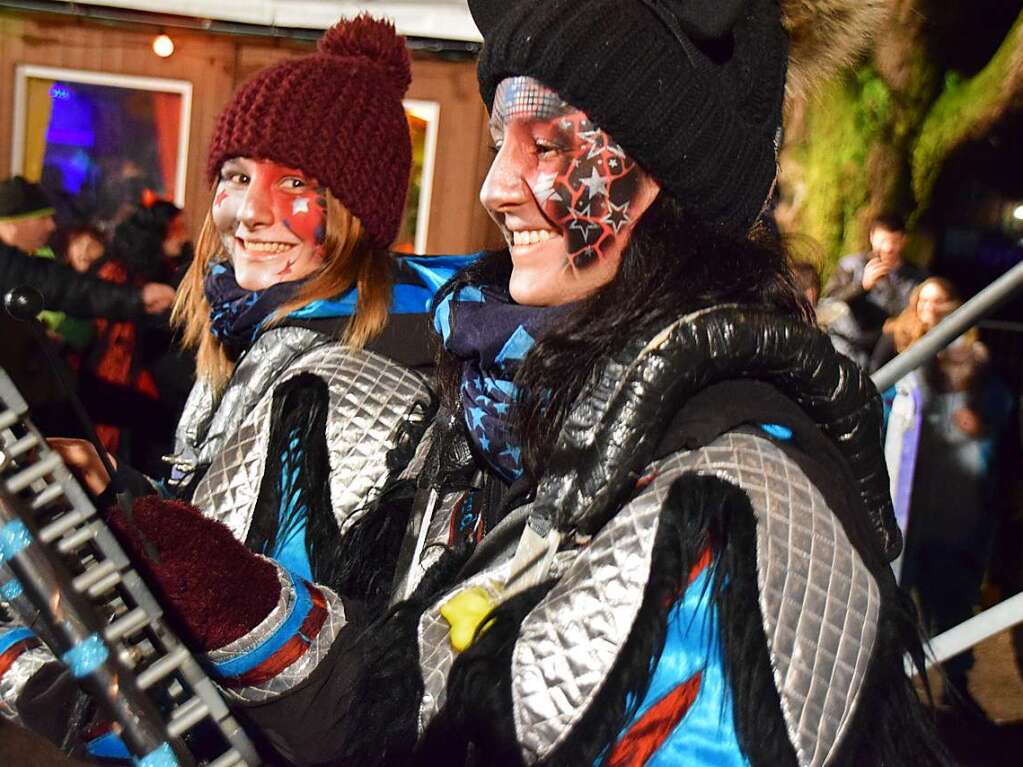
(337, 115)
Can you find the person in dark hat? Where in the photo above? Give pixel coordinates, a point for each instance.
(653, 524)
(26, 215)
(26, 223)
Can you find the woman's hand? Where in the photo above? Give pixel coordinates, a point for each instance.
(81, 458)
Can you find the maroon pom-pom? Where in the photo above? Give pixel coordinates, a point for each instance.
(373, 39)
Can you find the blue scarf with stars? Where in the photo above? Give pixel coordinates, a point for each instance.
(236, 314)
(492, 334)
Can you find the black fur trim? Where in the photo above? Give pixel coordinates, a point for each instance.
(475, 726)
(895, 728)
(298, 413)
(361, 564)
(384, 723)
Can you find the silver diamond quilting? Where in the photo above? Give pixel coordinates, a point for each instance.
(819, 602)
(570, 640)
(370, 397)
(13, 681)
(209, 420)
(435, 652)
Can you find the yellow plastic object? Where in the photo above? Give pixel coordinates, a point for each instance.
(464, 613)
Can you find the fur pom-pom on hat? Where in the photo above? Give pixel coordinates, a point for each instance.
(337, 115)
(372, 39)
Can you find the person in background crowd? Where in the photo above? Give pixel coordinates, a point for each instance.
(310, 337)
(26, 224)
(654, 498)
(62, 289)
(152, 244)
(118, 390)
(965, 409)
(153, 241)
(83, 248)
(26, 215)
(871, 288)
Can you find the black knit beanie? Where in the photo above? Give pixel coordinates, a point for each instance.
(20, 198)
(691, 89)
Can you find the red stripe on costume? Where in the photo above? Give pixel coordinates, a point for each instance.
(292, 650)
(648, 733)
(11, 653)
(700, 566)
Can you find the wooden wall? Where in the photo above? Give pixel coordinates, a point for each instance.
(216, 64)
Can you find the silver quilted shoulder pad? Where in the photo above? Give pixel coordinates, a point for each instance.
(818, 602)
(209, 420)
(370, 398)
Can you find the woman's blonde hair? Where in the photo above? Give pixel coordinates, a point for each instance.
(348, 261)
(907, 328)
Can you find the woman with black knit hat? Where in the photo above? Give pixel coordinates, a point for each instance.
(308, 404)
(652, 524)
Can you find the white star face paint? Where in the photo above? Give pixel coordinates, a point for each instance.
(272, 221)
(564, 193)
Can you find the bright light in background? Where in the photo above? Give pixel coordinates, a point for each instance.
(1017, 213)
(163, 46)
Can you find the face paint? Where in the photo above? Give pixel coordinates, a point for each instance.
(272, 221)
(583, 180)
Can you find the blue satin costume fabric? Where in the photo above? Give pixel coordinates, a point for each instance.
(692, 644)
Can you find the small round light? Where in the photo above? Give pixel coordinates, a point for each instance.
(1017, 213)
(163, 46)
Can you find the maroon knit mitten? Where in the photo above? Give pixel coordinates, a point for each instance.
(207, 581)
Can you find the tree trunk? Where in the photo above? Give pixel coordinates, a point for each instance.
(875, 140)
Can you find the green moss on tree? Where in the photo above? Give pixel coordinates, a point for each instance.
(877, 139)
(965, 110)
(842, 126)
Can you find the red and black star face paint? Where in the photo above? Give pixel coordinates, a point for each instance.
(560, 182)
(272, 220)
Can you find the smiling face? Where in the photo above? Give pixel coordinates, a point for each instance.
(934, 304)
(565, 195)
(272, 221)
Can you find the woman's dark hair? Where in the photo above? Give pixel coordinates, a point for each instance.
(673, 264)
(137, 242)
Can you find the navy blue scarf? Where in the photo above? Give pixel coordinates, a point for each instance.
(236, 314)
(492, 334)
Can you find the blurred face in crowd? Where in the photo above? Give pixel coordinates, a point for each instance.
(934, 304)
(271, 220)
(176, 238)
(887, 245)
(83, 250)
(563, 192)
(27, 234)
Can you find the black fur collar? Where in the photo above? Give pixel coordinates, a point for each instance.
(614, 427)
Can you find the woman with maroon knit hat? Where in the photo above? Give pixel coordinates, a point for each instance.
(308, 402)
